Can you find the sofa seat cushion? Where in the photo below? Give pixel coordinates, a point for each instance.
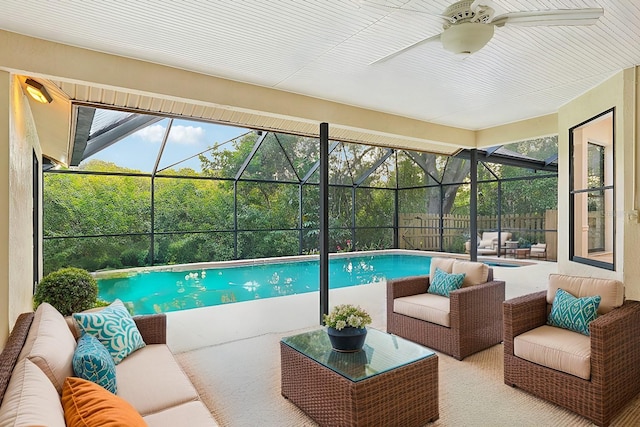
(611, 291)
(50, 345)
(486, 251)
(31, 399)
(187, 414)
(428, 307)
(556, 348)
(151, 380)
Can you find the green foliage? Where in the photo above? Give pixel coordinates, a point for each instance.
(69, 290)
(105, 208)
(134, 257)
(344, 315)
(456, 245)
(102, 303)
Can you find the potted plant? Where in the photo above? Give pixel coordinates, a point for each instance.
(346, 327)
(69, 290)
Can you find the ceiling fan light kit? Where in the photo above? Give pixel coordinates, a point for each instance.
(466, 38)
(469, 24)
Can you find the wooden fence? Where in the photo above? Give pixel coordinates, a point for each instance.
(422, 231)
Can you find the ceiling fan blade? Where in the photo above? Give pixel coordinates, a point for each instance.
(571, 17)
(404, 49)
(373, 4)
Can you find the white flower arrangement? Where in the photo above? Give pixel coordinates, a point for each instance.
(345, 315)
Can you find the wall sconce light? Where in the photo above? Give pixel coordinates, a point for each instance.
(38, 91)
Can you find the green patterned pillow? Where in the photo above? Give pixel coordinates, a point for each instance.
(92, 361)
(443, 283)
(114, 328)
(573, 313)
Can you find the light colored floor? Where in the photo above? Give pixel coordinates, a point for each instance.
(202, 327)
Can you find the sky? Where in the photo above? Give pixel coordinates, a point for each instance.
(187, 138)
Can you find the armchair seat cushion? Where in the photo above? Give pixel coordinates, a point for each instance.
(428, 307)
(556, 348)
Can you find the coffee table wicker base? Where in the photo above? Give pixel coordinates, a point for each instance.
(406, 396)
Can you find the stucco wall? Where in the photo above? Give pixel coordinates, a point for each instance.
(18, 141)
(631, 273)
(5, 90)
(619, 92)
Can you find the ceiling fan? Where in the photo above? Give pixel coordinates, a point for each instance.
(469, 24)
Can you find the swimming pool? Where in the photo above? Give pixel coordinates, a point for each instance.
(155, 291)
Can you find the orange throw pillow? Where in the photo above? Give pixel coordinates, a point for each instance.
(85, 403)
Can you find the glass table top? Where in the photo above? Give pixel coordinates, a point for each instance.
(381, 352)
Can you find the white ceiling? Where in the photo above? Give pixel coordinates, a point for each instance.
(323, 48)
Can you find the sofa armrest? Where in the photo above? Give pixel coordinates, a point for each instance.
(477, 304)
(522, 314)
(12, 349)
(615, 345)
(404, 287)
(152, 327)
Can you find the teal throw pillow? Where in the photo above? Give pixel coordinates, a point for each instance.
(573, 313)
(443, 283)
(114, 328)
(92, 361)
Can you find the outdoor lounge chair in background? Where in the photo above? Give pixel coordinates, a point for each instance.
(488, 244)
(539, 250)
(468, 321)
(593, 375)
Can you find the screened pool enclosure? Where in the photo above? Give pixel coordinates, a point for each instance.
(147, 190)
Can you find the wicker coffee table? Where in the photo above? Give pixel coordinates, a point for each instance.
(391, 382)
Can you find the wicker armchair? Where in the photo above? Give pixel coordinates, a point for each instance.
(475, 316)
(614, 359)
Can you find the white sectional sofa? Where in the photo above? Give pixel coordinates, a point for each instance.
(36, 365)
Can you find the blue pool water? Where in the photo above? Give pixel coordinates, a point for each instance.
(163, 291)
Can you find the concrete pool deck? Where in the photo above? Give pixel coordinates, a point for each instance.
(207, 326)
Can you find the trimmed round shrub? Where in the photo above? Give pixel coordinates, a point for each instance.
(69, 290)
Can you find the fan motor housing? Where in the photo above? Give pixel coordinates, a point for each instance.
(460, 12)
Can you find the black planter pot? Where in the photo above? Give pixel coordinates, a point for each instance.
(348, 339)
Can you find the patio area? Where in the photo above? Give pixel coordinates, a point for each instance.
(232, 355)
(233, 322)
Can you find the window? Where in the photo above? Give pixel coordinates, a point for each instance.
(591, 192)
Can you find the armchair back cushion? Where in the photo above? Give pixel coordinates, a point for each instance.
(444, 264)
(611, 291)
(475, 273)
